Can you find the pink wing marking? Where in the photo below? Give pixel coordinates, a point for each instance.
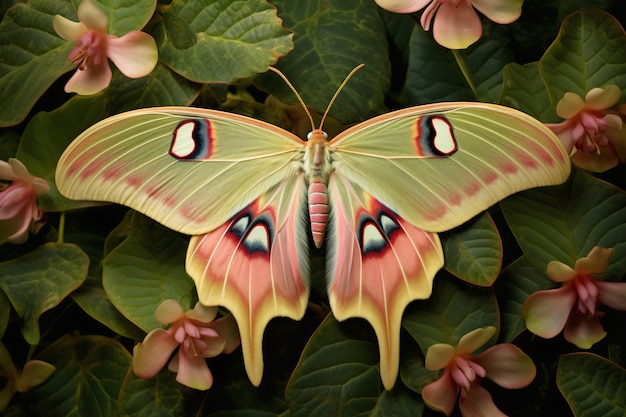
(434, 136)
(253, 266)
(381, 263)
(193, 140)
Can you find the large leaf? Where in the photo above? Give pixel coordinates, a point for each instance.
(453, 310)
(338, 376)
(564, 222)
(473, 252)
(39, 280)
(46, 137)
(220, 41)
(472, 74)
(316, 66)
(31, 54)
(146, 269)
(589, 52)
(524, 89)
(592, 385)
(88, 377)
(159, 396)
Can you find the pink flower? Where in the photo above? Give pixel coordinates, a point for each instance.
(574, 306)
(135, 54)
(456, 24)
(593, 135)
(195, 333)
(18, 202)
(505, 364)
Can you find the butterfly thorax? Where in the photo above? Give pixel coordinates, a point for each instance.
(317, 169)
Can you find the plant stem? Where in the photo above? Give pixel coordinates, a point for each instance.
(462, 63)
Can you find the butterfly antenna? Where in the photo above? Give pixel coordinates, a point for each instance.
(332, 100)
(306, 109)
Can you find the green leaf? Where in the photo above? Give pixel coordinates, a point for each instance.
(589, 52)
(39, 280)
(32, 55)
(317, 65)
(592, 385)
(146, 269)
(564, 222)
(88, 377)
(517, 282)
(232, 39)
(524, 89)
(472, 74)
(159, 396)
(473, 252)
(162, 87)
(125, 15)
(48, 134)
(453, 310)
(338, 375)
(5, 313)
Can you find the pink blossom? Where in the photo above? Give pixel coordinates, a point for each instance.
(18, 201)
(591, 132)
(197, 335)
(505, 364)
(574, 306)
(456, 25)
(135, 54)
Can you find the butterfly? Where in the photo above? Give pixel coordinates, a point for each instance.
(253, 195)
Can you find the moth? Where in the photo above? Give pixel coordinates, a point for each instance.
(253, 195)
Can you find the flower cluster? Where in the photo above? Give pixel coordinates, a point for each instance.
(591, 131)
(574, 305)
(19, 213)
(456, 25)
(135, 54)
(505, 364)
(196, 334)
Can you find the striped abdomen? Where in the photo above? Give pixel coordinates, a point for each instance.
(318, 210)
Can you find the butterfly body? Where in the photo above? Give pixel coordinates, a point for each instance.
(252, 194)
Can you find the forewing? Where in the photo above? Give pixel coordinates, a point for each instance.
(190, 169)
(378, 263)
(439, 165)
(256, 265)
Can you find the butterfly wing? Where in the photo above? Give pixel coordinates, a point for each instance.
(495, 151)
(399, 178)
(134, 159)
(377, 264)
(256, 265)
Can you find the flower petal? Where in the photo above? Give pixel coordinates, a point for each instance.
(546, 312)
(507, 366)
(478, 403)
(570, 105)
(439, 356)
(441, 394)
(35, 372)
(135, 54)
(168, 312)
(596, 162)
(403, 6)
(91, 80)
(583, 330)
(227, 328)
(474, 340)
(595, 262)
(67, 29)
(612, 294)
(559, 272)
(500, 11)
(193, 371)
(91, 16)
(456, 27)
(151, 355)
(428, 15)
(602, 98)
(201, 313)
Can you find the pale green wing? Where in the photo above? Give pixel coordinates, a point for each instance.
(190, 169)
(441, 164)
